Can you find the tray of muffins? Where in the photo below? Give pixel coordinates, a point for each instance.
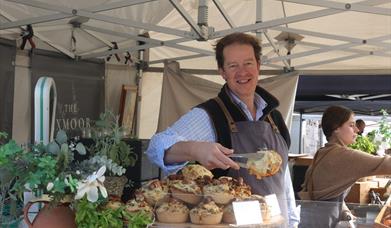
(193, 198)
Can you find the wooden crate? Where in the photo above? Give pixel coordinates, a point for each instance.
(359, 192)
(386, 210)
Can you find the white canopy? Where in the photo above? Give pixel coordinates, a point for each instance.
(325, 35)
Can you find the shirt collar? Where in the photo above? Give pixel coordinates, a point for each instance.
(259, 102)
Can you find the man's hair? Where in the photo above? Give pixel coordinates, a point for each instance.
(239, 38)
(333, 118)
(360, 122)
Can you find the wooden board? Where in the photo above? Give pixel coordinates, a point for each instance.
(276, 221)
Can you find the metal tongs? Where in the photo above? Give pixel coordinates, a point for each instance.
(242, 159)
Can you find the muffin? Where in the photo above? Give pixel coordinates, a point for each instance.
(220, 190)
(194, 171)
(265, 209)
(241, 189)
(206, 213)
(173, 211)
(155, 192)
(186, 190)
(135, 206)
(228, 214)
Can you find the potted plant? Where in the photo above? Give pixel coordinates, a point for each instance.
(67, 185)
(108, 143)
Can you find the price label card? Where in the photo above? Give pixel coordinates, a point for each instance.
(247, 212)
(272, 202)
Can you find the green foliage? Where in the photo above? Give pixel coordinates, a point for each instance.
(364, 144)
(107, 135)
(385, 128)
(9, 172)
(376, 138)
(97, 215)
(138, 220)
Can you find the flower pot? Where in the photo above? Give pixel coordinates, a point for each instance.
(115, 185)
(60, 216)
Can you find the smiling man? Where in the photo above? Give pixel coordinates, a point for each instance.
(241, 119)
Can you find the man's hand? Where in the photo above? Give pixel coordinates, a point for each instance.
(214, 155)
(209, 154)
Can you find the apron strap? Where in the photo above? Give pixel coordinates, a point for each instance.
(274, 126)
(231, 122)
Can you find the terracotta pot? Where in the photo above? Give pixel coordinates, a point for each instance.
(58, 217)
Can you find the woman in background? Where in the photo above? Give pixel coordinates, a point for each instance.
(336, 167)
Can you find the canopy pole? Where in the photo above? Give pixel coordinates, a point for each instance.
(141, 66)
(258, 19)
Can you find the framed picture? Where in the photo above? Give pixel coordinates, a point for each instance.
(127, 109)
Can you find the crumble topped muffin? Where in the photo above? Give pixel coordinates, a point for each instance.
(155, 192)
(206, 213)
(173, 211)
(220, 190)
(194, 171)
(186, 190)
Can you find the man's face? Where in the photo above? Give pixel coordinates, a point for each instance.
(240, 69)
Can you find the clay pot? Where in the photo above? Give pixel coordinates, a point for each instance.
(59, 217)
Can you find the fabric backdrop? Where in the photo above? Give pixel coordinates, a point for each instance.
(182, 91)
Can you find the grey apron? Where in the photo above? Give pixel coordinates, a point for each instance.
(248, 137)
(324, 213)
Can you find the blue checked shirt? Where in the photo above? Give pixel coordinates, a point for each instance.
(197, 126)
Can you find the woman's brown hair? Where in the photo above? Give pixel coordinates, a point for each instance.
(333, 118)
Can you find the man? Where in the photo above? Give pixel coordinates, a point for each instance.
(243, 117)
(360, 124)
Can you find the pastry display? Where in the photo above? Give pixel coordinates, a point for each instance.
(192, 196)
(172, 211)
(266, 165)
(206, 213)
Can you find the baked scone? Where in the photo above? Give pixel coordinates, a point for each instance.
(186, 190)
(173, 211)
(266, 165)
(195, 171)
(206, 213)
(155, 192)
(220, 190)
